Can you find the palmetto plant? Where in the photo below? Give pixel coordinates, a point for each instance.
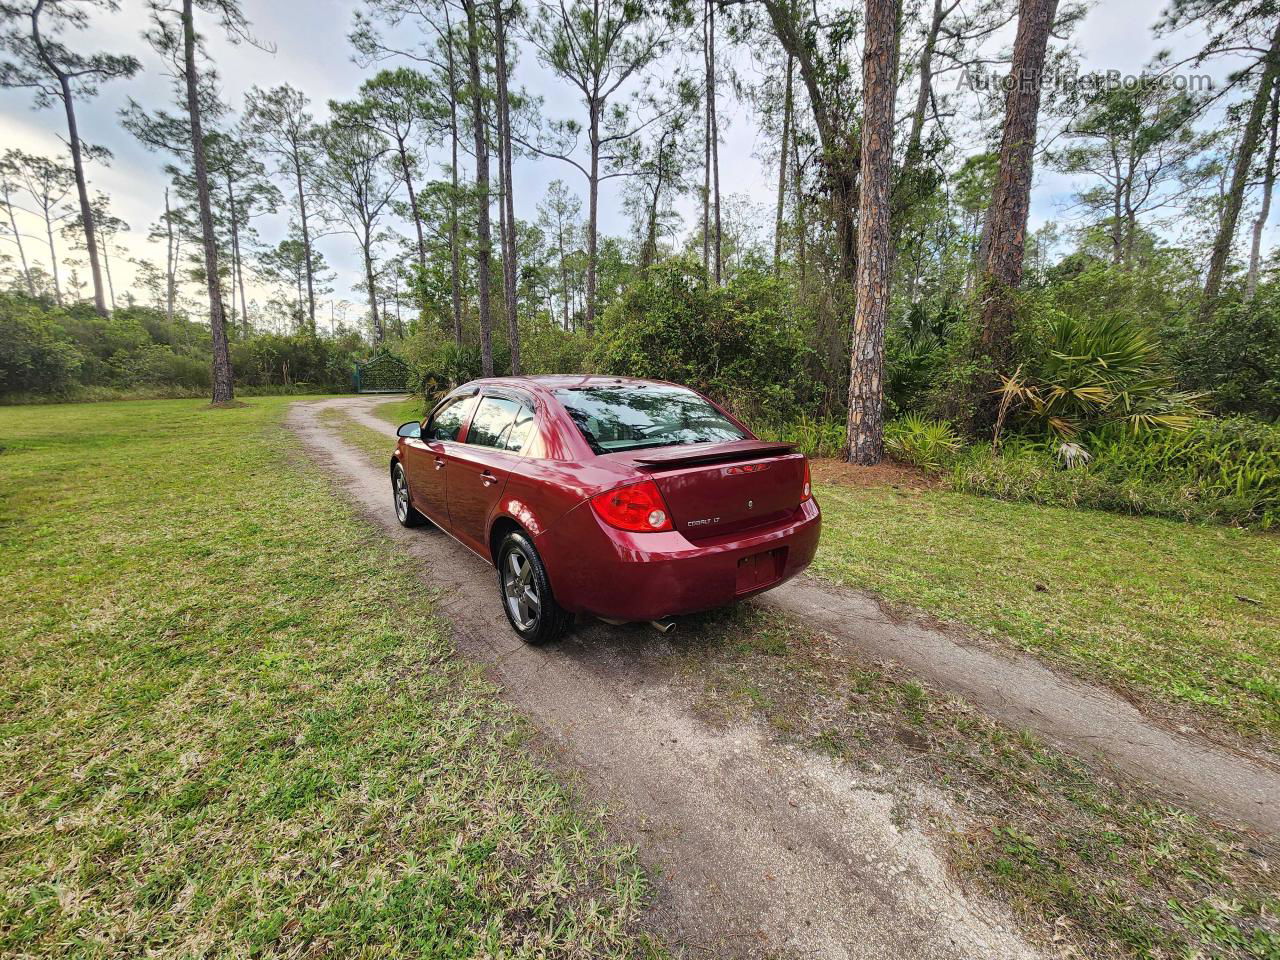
(1095, 374)
(928, 444)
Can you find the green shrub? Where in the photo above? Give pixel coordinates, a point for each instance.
(742, 343)
(1220, 471)
(36, 355)
(929, 444)
(813, 438)
(1094, 374)
(1235, 357)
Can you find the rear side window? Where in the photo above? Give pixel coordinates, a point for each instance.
(629, 417)
(446, 423)
(502, 423)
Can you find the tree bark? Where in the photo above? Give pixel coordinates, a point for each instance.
(77, 160)
(839, 159)
(106, 268)
(787, 104)
(22, 253)
(405, 171)
(875, 249)
(306, 240)
(484, 238)
(237, 268)
(171, 260)
(1240, 179)
(714, 126)
(510, 274)
(223, 388)
(1268, 187)
(593, 217)
(371, 284)
(1000, 253)
(53, 257)
(455, 253)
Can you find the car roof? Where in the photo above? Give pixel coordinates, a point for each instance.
(560, 381)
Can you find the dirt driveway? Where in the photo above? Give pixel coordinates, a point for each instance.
(759, 849)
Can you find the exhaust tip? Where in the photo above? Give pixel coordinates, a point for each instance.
(663, 626)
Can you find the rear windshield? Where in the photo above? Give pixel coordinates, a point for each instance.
(631, 417)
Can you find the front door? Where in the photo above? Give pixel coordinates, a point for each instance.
(478, 469)
(427, 458)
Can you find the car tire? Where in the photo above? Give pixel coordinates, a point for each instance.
(525, 590)
(405, 513)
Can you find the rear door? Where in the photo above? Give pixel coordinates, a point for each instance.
(479, 467)
(427, 458)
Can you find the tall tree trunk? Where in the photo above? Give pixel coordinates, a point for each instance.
(237, 267)
(106, 267)
(223, 388)
(915, 138)
(706, 143)
(510, 268)
(779, 217)
(1268, 186)
(17, 238)
(564, 273)
(306, 241)
(371, 284)
(875, 249)
(455, 254)
(53, 256)
(593, 217)
(484, 241)
(1240, 178)
(406, 172)
(802, 227)
(77, 160)
(171, 260)
(1001, 250)
(714, 126)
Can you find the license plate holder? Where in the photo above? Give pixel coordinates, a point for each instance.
(758, 570)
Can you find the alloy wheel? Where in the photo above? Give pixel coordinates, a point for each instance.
(401, 491)
(521, 590)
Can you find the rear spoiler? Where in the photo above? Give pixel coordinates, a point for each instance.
(710, 452)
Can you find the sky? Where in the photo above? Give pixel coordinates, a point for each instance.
(308, 48)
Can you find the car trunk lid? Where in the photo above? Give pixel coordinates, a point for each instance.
(714, 490)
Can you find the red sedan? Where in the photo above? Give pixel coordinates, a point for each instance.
(626, 499)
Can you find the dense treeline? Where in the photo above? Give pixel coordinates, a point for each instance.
(891, 275)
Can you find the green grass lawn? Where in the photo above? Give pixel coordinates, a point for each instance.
(396, 412)
(229, 722)
(1188, 615)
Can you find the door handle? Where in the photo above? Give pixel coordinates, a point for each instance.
(487, 478)
(439, 462)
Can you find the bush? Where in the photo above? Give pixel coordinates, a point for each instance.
(1223, 471)
(1096, 373)
(36, 355)
(742, 343)
(813, 438)
(928, 444)
(1235, 357)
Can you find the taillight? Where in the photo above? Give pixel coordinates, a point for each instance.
(638, 507)
(806, 492)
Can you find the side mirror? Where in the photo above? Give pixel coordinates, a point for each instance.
(412, 430)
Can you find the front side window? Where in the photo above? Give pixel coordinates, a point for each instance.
(446, 423)
(629, 417)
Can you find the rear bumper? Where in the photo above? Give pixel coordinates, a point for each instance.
(647, 576)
